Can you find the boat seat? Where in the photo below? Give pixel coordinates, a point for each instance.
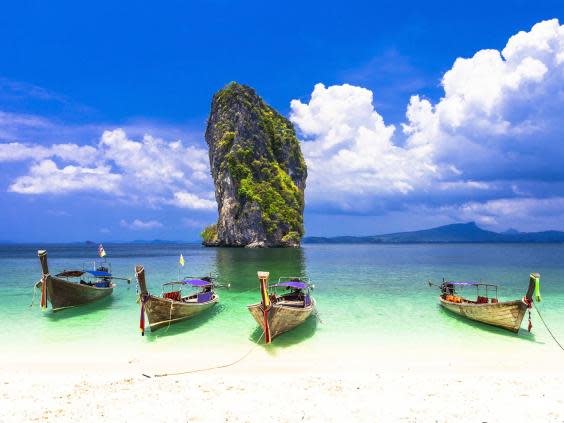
(174, 295)
(482, 300)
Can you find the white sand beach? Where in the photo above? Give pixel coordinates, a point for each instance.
(343, 383)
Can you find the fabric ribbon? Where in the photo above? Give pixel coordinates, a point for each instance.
(43, 293)
(538, 298)
(142, 317)
(267, 339)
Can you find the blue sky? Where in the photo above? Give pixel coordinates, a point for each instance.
(103, 109)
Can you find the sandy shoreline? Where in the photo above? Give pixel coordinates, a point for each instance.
(368, 383)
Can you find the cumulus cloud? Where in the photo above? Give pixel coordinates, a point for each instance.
(138, 224)
(153, 160)
(512, 212)
(349, 148)
(496, 132)
(352, 159)
(46, 177)
(503, 107)
(191, 201)
(14, 151)
(150, 170)
(487, 150)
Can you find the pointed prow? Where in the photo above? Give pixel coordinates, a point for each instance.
(263, 279)
(533, 292)
(265, 300)
(45, 275)
(140, 274)
(43, 260)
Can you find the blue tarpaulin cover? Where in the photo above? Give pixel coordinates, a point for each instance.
(99, 273)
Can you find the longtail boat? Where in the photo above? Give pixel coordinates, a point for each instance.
(276, 313)
(72, 288)
(486, 308)
(173, 306)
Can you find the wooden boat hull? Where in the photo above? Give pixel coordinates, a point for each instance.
(163, 311)
(507, 315)
(281, 318)
(64, 294)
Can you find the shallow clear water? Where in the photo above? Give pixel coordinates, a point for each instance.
(365, 294)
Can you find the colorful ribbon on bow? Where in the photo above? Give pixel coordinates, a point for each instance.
(44, 293)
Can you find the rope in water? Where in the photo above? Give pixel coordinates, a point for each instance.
(222, 366)
(546, 326)
(316, 314)
(34, 291)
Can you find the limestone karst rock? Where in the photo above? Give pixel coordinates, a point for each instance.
(258, 170)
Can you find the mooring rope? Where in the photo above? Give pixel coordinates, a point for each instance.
(547, 328)
(170, 316)
(34, 291)
(317, 316)
(222, 366)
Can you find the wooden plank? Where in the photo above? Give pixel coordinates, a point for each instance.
(506, 315)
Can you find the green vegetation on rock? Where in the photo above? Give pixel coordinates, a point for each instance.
(209, 234)
(258, 149)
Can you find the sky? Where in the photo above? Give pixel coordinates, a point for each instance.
(410, 114)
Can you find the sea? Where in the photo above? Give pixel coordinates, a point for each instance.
(366, 294)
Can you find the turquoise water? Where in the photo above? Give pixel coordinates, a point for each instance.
(365, 294)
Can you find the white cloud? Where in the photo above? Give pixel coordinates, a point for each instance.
(138, 224)
(496, 101)
(151, 170)
(497, 129)
(14, 151)
(46, 177)
(350, 152)
(512, 212)
(191, 201)
(492, 140)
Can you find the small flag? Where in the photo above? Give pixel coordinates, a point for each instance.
(181, 261)
(101, 251)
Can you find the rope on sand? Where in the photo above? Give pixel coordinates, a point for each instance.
(546, 326)
(222, 366)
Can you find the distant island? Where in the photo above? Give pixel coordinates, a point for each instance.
(458, 232)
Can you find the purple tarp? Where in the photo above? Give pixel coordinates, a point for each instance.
(197, 282)
(292, 284)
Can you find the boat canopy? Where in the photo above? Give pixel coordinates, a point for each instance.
(99, 273)
(468, 283)
(197, 282)
(79, 273)
(292, 284)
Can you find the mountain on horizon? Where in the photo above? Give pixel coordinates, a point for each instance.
(454, 233)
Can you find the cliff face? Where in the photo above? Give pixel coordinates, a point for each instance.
(258, 171)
